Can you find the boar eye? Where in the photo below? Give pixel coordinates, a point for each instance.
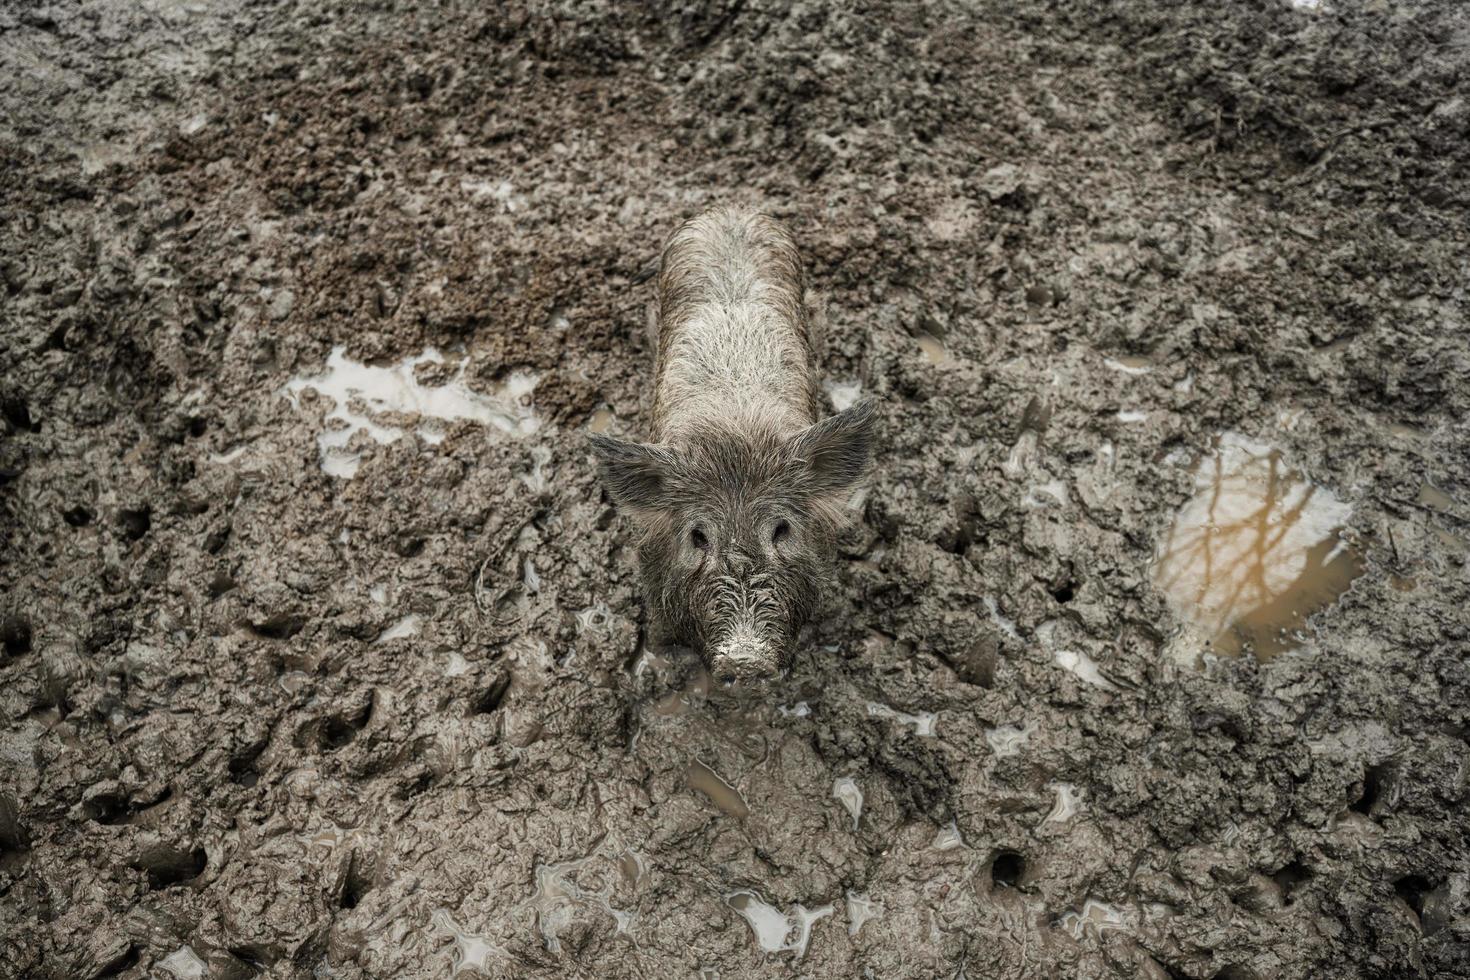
(697, 538)
(780, 532)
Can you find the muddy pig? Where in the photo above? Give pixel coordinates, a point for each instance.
(743, 490)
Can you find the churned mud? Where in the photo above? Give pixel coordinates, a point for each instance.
(322, 650)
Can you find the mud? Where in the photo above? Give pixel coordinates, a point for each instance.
(288, 721)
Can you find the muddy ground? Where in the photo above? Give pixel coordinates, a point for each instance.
(264, 720)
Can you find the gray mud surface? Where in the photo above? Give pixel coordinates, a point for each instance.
(226, 747)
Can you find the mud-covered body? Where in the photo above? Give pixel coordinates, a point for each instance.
(741, 493)
(734, 340)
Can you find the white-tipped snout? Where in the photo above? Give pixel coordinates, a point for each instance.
(743, 656)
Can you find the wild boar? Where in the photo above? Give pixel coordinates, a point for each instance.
(742, 491)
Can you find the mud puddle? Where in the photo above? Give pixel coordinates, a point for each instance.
(724, 796)
(363, 395)
(776, 931)
(1256, 552)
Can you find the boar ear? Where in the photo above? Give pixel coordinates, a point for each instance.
(835, 451)
(636, 476)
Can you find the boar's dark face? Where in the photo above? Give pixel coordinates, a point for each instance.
(738, 532)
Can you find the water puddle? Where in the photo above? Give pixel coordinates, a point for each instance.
(1434, 498)
(1079, 663)
(471, 951)
(601, 420)
(860, 909)
(1095, 917)
(925, 722)
(844, 394)
(594, 617)
(948, 838)
(682, 701)
(184, 964)
(361, 392)
(1050, 494)
(1131, 416)
(724, 796)
(934, 350)
(1006, 740)
(559, 894)
(847, 792)
(776, 931)
(1128, 364)
(1451, 541)
(1255, 552)
(798, 710)
(227, 457)
(1069, 801)
(633, 866)
(405, 627)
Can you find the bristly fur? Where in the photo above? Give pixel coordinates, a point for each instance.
(743, 494)
(734, 336)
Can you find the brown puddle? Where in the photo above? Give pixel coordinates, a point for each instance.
(721, 794)
(1434, 498)
(1255, 552)
(1129, 364)
(933, 348)
(601, 420)
(682, 701)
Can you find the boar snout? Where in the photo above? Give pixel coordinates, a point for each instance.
(745, 645)
(744, 656)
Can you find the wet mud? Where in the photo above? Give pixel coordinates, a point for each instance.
(321, 651)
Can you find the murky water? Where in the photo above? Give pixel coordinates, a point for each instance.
(1255, 552)
(563, 888)
(601, 420)
(405, 627)
(1006, 740)
(776, 931)
(847, 792)
(360, 392)
(924, 722)
(633, 866)
(1434, 498)
(860, 909)
(934, 350)
(1095, 917)
(471, 951)
(948, 838)
(844, 394)
(1129, 364)
(184, 964)
(1069, 801)
(704, 779)
(1079, 663)
(683, 700)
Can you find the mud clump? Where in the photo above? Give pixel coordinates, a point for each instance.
(322, 652)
